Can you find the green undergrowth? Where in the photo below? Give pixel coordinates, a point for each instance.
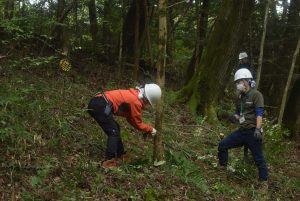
(52, 150)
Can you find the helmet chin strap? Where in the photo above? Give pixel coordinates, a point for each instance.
(141, 93)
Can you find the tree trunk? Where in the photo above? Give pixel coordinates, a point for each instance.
(207, 84)
(288, 83)
(170, 42)
(148, 36)
(158, 153)
(291, 116)
(136, 40)
(59, 28)
(93, 23)
(120, 55)
(201, 34)
(262, 43)
(107, 34)
(129, 29)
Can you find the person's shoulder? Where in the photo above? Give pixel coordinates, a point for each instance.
(255, 92)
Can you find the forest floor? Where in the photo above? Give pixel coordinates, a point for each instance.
(51, 149)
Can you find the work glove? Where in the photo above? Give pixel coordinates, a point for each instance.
(153, 132)
(258, 133)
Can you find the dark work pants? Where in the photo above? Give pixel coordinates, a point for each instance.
(111, 128)
(244, 138)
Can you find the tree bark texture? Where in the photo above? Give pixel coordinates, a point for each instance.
(107, 33)
(201, 34)
(158, 153)
(202, 92)
(136, 40)
(93, 23)
(129, 30)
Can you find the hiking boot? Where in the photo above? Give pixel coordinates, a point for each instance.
(110, 164)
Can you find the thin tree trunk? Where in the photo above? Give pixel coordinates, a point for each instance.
(136, 40)
(149, 39)
(93, 23)
(170, 42)
(158, 153)
(59, 28)
(107, 34)
(262, 43)
(288, 83)
(120, 59)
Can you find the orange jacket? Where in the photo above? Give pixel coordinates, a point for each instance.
(127, 104)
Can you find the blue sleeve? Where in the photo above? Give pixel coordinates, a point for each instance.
(259, 111)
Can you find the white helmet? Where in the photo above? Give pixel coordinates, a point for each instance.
(243, 55)
(242, 73)
(153, 93)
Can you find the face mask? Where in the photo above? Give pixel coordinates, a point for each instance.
(240, 87)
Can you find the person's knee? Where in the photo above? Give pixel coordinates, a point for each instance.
(114, 133)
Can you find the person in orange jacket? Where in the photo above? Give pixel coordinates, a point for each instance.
(126, 103)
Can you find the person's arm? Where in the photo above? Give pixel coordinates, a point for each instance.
(135, 119)
(237, 110)
(259, 115)
(259, 111)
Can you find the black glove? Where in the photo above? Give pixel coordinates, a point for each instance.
(258, 133)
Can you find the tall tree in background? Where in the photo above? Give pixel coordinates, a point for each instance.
(136, 39)
(59, 29)
(200, 37)
(148, 17)
(107, 31)
(202, 92)
(170, 26)
(291, 116)
(262, 43)
(93, 23)
(158, 154)
(129, 30)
